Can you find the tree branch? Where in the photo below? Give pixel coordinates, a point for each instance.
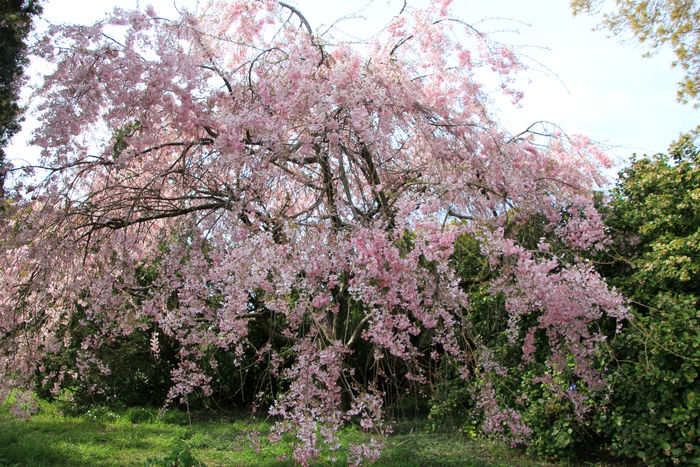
(358, 330)
(308, 28)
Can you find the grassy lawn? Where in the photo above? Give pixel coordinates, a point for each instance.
(105, 438)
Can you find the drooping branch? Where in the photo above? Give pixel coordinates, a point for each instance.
(227, 83)
(306, 24)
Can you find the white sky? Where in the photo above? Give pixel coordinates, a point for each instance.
(597, 86)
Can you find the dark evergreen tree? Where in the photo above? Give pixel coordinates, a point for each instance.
(15, 24)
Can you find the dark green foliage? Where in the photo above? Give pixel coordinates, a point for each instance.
(136, 376)
(15, 23)
(121, 135)
(139, 377)
(655, 216)
(557, 430)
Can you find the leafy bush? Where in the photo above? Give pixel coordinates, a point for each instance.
(655, 212)
(180, 456)
(129, 374)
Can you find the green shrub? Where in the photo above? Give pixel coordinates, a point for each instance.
(655, 216)
(179, 456)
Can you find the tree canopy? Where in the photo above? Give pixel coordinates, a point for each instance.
(656, 23)
(271, 178)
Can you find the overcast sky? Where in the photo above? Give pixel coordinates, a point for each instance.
(597, 86)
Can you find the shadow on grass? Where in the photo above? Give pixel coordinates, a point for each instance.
(48, 439)
(38, 444)
(54, 441)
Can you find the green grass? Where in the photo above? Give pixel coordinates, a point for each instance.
(105, 438)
